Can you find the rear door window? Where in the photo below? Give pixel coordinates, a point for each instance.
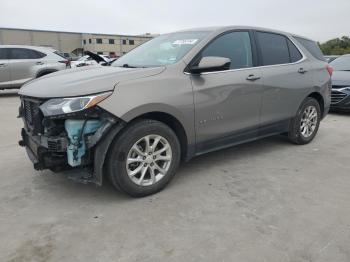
(312, 47)
(23, 53)
(273, 48)
(235, 45)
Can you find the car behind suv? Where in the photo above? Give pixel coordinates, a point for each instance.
(19, 64)
(175, 97)
(341, 84)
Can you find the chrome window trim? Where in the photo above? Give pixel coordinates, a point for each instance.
(304, 58)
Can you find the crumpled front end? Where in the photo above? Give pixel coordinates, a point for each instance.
(68, 141)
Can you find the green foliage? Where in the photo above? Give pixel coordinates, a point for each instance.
(337, 46)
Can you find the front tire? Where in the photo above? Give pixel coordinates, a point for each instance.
(305, 124)
(143, 158)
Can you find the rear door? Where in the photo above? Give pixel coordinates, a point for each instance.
(319, 70)
(5, 77)
(24, 64)
(227, 102)
(286, 77)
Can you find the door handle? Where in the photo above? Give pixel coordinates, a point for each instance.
(253, 78)
(302, 71)
(39, 63)
(3, 65)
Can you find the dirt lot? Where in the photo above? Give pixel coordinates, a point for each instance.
(264, 201)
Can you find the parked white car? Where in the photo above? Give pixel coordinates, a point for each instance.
(19, 64)
(90, 59)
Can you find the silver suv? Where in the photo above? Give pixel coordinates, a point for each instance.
(175, 97)
(19, 64)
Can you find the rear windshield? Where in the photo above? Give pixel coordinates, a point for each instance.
(59, 54)
(341, 64)
(312, 47)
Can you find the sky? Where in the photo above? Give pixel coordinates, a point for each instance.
(320, 20)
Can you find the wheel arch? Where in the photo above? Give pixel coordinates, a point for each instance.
(181, 121)
(320, 100)
(45, 72)
(103, 147)
(174, 124)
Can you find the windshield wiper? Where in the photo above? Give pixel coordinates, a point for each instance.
(128, 66)
(131, 66)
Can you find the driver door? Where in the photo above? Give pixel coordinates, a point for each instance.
(228, 103)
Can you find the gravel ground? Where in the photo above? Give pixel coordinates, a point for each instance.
(263, 201)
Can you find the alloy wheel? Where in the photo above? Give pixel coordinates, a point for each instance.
(149, 160)
(309, 121)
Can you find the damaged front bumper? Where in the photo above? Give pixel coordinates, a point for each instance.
(77, 143)
(45, 152)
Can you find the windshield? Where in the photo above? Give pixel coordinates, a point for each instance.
(341, 64)
(163, 50)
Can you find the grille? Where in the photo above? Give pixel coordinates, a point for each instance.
(52, 146)
(339, 87)
(29, 111)
(32, 115)
(337, 97)
(57, 144)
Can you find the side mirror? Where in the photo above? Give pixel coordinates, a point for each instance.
(210, 64)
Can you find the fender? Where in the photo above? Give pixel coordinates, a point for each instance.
(101, 151)
(186, 121)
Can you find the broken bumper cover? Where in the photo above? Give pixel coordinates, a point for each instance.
(41, 152)
(44, 152)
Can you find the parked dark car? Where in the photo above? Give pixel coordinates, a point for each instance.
(331, 58)
(341, 84)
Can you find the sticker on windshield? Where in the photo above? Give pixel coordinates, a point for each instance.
(185, 42)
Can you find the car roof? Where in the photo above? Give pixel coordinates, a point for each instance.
(220, 29)
(38, 48)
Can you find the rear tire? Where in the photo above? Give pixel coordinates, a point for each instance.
(143, 158)
(305, 124)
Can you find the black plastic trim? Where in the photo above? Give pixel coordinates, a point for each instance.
(243, 136)
(101, 151)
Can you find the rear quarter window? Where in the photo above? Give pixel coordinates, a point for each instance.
(312, 47)
(294, 53)
(37, 54)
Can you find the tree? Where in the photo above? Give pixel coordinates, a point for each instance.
(337, 46)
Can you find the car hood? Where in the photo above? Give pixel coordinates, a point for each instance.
(83, 81)
(341, 78)
(96, 57)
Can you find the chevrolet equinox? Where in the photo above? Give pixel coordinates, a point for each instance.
(175, 97)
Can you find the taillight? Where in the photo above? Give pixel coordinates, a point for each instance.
(330, 70)
(67, 62)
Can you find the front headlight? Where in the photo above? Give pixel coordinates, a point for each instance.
(59, 106)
